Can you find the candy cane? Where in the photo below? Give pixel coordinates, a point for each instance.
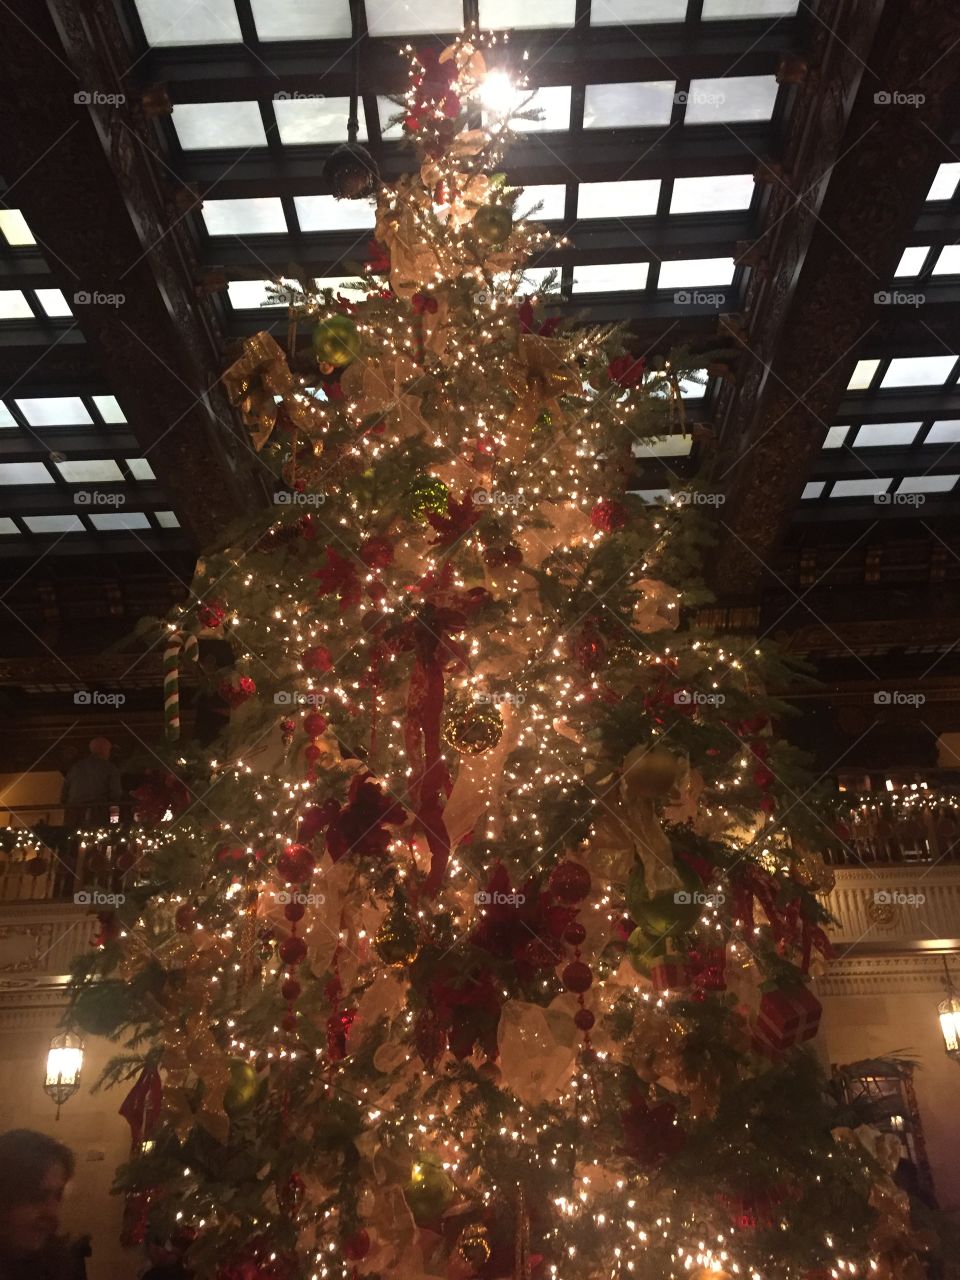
(181, 644)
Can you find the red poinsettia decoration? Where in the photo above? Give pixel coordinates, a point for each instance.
(528, 324)
(235, 692)
(360, 826)
(651, 1135)
(159, 792)
(627, 371)
(524, 926)
(378, 261)
(211, 613)
(339, 577)
(459, 519)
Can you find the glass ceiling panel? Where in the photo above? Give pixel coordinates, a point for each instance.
(341, 284)
(14, 305)
(140, 469)
(507, 15)
(6, 417)
(24, 473)
(927, 484)
(918, 371)
(610, 277)
(668, 447)
(245, 295)
(327, 213)
(254, 216)
(387, 109)
(170, 22)
(863, 375)
(295, 20)
(7, 526)
(53, 302)
(109, 409)
(413, 17)
(14, 227)
(912, 260)
(166, 520)
(54, 524)
(945, 183)
(729, 99)
(552, 101)
(860, 488)
(305, 121)
(813, 489)
(95, 469)
(119, 520)
(553, 198)
(636, 105)
(633, 199)
(835, 437)
(948, 263)
(696, 272)
(54, 411)
(945, 432)
(203, 126)
(872, 434)
(534, 279)
(610, 13)
(708, 195)
(715, 9)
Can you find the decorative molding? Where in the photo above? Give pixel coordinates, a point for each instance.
(894, 974)
(894, 907)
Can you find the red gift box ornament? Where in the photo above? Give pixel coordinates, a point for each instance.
(786, 1018)
(671, 972)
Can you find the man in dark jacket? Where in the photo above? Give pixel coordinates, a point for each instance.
(34, 1169)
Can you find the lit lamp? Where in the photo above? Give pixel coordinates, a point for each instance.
(950, 1017)
(64, 1062)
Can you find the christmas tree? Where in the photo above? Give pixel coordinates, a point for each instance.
(480, 943)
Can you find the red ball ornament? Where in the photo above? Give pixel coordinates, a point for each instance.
(590, 650)
(185, 917)
(570, 881)
(212, 613)
(293, 950)
(609, 516)
(290, 989)
(314, 724)
(236, 692)
(317, 658)
(356, 1248)
(313, 753)
(289, 1022)
(376, 553)
(584, 1019)
(296, 864)
(294, 911)
(577, 977)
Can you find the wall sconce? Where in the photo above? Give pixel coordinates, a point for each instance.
(949, 1012)
(64, 1063)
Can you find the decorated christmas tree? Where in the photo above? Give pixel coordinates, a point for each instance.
(480, 943)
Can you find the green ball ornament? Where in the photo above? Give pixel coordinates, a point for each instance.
(336, 340)
(493, 223)
(429, 1192)
(427, 494)
(241, 1093)
(667, 914)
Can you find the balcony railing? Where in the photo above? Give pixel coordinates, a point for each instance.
(912, 825)
(44, 860)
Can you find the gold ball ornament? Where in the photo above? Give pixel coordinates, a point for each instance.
(336, 340)
(493, 223)
(242, 1090)
(649, 773)
(472, 728)
(430, 1190)
(474, 1245)
(397, 940)
(427, 494)
(808, 869)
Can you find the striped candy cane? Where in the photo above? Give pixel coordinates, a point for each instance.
(180, 645)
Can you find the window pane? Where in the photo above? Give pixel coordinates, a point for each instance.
(140, 469)
(246, 295)
(327, 213)
(623, 106)
(54, 411)
(860, 488)
(610, 13)
(506, 15)
(945, 183)
(696, 271)
(411, 17)
(553, 198)
(614, 277)
(342, 284)
(7, 526)
(945, 432)
(707, 195)
(552, 102)
(918, 371)
(24, 473)
(6, 417)
(256, 216)
(535, 278)
(730, 99)
(872, 434)
(835, 437)
(926, 484)
(53, 302)
(748, 9)
(119, 520)
(948, 264)
(813, 489)
(912, 260)
(209, 125)
(14, 227)
(167, 520)
(109, 409)
(387, 109)
(634, 199)
(305, 121)
(54, 524)
(169, 22)
(97, 469)
(863, 375)
(296, 20)
(14, 305)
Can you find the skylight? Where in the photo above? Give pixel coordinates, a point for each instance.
(638, 104)
(14, 227)
(54, 524)
(413, 17)
(860, 488)
(204, 126)
(54, 411)
(696, 272)
(730, 99)
(835, 437)
(873, 434)
(342, 285)
(106, 521)
(948, 263)
(927, 484)
(327, 213)
(387, 110)
(109, 409)
(610, 277)
(711, 194)
(14, 305)
(166, 520)
(534, 279)
(945, 183)
(247, 295)
(716, 9)
(254, 216)
(554, 200)
(863, 375)
(633, 199)
(813, 489)
(53, 302)
(6, 417)
(84, 472)
(177, 22)
(24, 473)
(667, 447)
(7, 526)
(912, 260)
(505, 15)
(140, 469)
(612, 13)
(945, 432)
(918, 371)
(553, 103)
(306, 121)
(294, 20)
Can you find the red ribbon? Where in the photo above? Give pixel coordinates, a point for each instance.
(141, 1107)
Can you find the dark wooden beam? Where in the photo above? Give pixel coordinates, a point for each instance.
(87, 184)
(856, 171)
